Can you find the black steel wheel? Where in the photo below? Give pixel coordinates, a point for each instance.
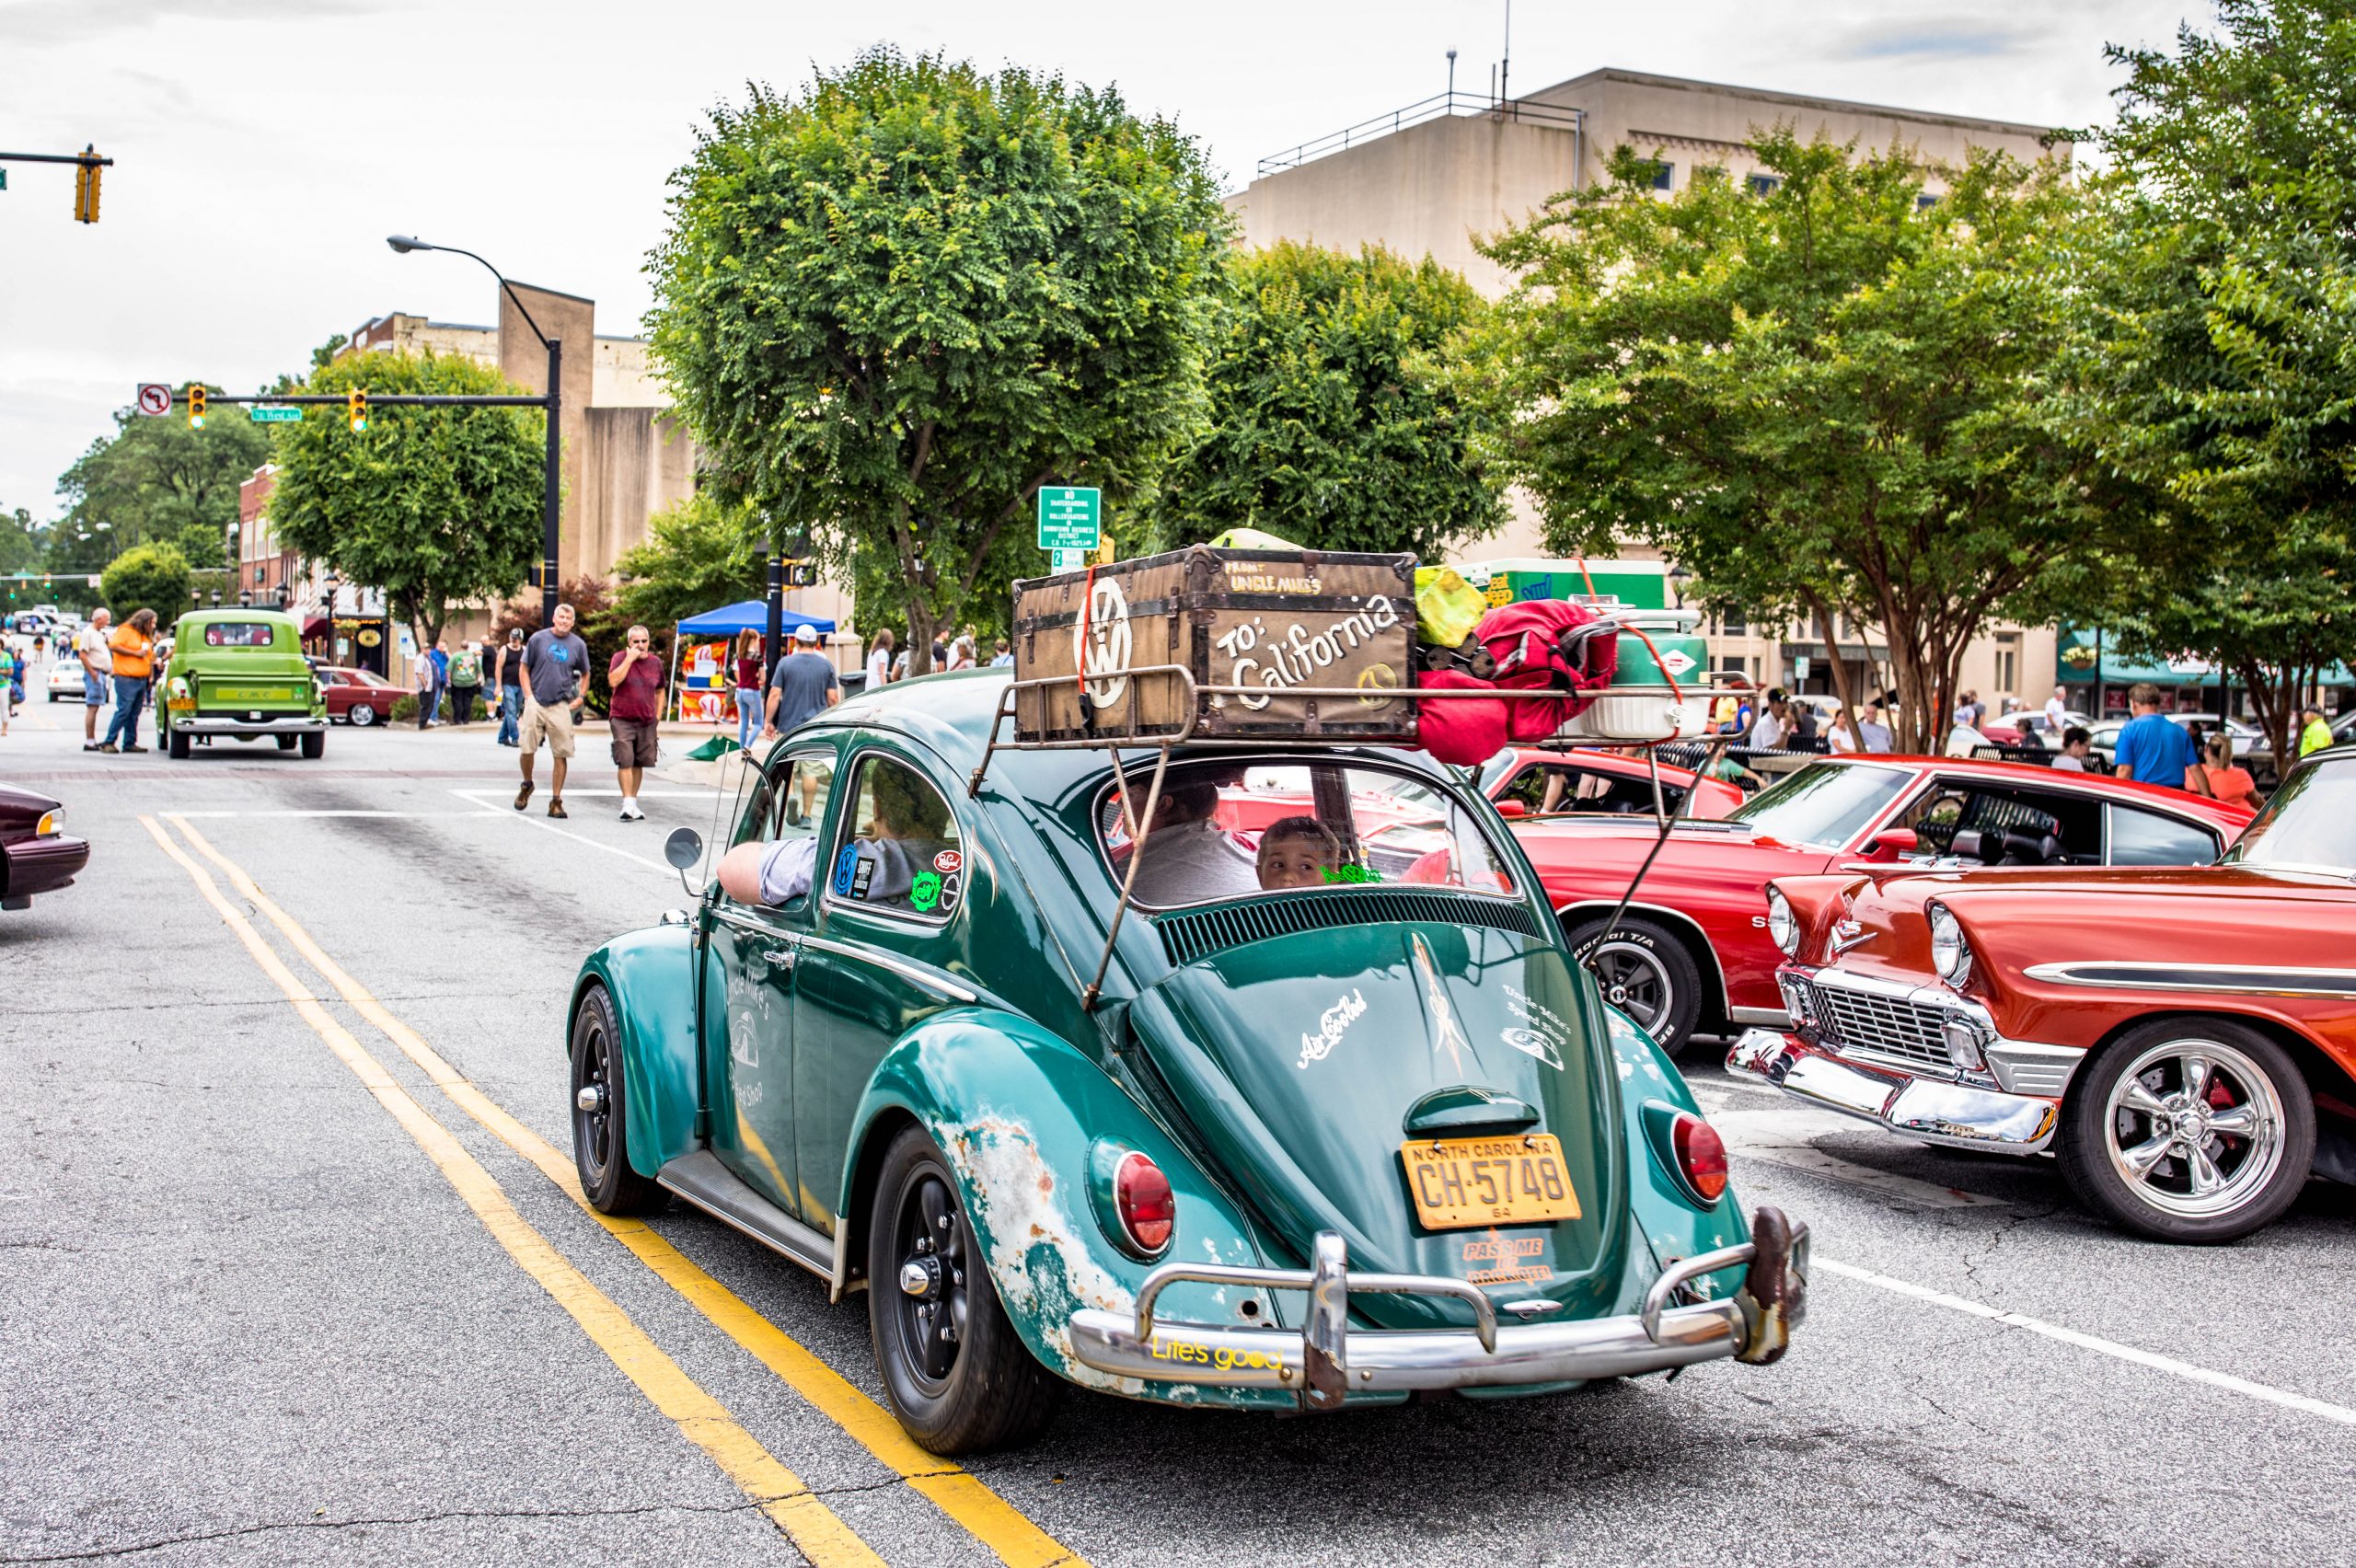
(600, 1127)
(1645, 972)
(958, 1375)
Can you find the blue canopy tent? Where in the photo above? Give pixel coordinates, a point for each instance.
(747, 614)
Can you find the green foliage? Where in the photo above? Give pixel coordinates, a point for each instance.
(156, 479)
(895, 305)
(1330, 425)
(1826, 398)
(698, 554)
(2219, 372)
(434, 506)
(150, 577)
(22, 541)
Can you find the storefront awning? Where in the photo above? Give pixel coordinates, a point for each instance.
(2075, 659)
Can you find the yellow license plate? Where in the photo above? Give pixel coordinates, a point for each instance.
(182, 705)
(1459, 1183)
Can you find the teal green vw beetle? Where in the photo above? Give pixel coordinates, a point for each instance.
(1319, 1114)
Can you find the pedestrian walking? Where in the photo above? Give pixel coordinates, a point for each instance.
(423, 676)
(440, 658)
(98, 659)
(961, 653)
(2057, 710)
(2316, 734)
(2152, 749)
(554, 663)
(510, 687)
(879, 660)
(802, 684)
(132, 657)
(1768, 733)
(633, 716)
(465, 681)
(12, 665)
(745, 681)
(2228, 782)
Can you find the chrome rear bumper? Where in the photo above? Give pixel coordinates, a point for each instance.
(275, 724)
(1326, 1360)
(1930, 1109)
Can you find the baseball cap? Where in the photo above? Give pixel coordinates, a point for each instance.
(805, 634)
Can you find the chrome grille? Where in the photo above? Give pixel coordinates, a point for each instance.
(1905, 1031)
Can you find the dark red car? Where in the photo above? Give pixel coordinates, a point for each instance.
(1693, 954)
(357, 697)
(36, 854)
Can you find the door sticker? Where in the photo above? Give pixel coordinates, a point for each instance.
(948, 862)
(846, 866)
(924, 891)
(861, 877)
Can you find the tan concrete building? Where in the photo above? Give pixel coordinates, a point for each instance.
(1431, 179)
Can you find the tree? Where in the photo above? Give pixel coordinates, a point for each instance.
(698, 554)
(1330, 423)
(1830, 397)
(2218, 370)
(433, 506)
(147, 577)
(156, 479)
(22, 542)
(896, 305)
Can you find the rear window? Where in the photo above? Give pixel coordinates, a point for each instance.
(1227, 830)
(240, 634)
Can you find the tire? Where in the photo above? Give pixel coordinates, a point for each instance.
(360, 713)
(2129, 1096)
(1644, 972)
(314, 745)
(176, 744)
(975, 1390)
(601, 1135)
(285, 742)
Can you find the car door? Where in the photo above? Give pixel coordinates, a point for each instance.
(748, 996)
(889, 929)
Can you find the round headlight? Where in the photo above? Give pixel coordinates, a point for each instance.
(1781, 926)
(1950, 954)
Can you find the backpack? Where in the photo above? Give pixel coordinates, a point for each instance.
(1551, 645)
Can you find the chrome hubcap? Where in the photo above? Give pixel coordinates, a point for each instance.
(2194, 1128)
(1636, 982)
(931, 1273)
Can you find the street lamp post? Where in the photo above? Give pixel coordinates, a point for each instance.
(328, 581)
(550, 480)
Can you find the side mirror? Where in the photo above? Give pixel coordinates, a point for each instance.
(1886, 844)
(683, 849)
(1512, 809)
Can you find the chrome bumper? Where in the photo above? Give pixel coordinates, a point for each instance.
(1326, 1360)
(1934, 1109)
(220, 725)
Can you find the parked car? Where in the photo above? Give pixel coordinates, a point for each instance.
(355, 696)
(1586, 781)
(240, 674)
(2030, 726)
(65, 679)
(2181, 1040)
(1693, 954)
(1364, 1136)
(2261, 762)
(36, 856)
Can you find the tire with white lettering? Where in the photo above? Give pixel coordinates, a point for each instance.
(957, 1374)
(2189, 1129)
(1644, 972)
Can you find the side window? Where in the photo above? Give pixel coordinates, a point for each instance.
(899, 853)
(2147, 838)
(804, 786)
(786, 800)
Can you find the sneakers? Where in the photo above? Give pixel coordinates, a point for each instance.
(631, 811)
(524, 796)
(556, 806)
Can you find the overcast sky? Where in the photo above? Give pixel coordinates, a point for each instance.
(265, 147)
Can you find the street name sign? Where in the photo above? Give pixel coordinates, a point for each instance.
(261, 413)
(1069, 517)
(155, 397)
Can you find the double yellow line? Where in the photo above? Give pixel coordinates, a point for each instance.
(813, 1526)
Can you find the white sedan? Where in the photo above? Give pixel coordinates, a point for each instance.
(65, 680)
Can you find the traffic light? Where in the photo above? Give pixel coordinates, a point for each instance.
(86, 190)
(800, 573)
(355, 408)
(195, 405)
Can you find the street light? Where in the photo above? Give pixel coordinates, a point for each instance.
(549, 484)
(328, 581)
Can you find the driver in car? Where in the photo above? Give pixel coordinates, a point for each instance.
(1188, 857)
(904, 835)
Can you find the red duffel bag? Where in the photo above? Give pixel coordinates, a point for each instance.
(1543, 645)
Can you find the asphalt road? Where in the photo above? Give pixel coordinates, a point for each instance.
(269, 1293)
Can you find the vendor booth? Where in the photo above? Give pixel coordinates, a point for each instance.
(703, 646)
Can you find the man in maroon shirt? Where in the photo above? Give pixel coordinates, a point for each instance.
(636, 677)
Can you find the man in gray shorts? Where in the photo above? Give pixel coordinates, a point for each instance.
(90, 647)
(555, 662)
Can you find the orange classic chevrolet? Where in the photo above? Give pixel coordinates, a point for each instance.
(2182, 1039)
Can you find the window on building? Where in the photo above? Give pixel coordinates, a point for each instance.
(1761, 184)
(1664, 175)
(1733, 623)
(2008, 665)
(1925, 202)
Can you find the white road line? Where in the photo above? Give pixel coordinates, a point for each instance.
(2127, 1353)
(528, 820)
(478, 812)
(571, 791)
(1780, 1137)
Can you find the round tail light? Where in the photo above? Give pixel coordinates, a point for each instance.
(1148, 1212)
(1701, 1157)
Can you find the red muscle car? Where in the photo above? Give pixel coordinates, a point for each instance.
(357, 697)
(36, 853)
(2182, 1039)
(1692, 953)
(1583, 782)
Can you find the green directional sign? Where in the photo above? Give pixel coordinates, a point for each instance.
(1069, 517)
(262, 414)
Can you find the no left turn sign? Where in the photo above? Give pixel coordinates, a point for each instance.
(155, 397)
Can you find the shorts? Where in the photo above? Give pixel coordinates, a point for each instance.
(634, 741)
(94, 689)
(553, 724)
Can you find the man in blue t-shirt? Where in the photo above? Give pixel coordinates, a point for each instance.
(2155, 750)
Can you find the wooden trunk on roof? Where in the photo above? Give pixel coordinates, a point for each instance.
(1273, 622)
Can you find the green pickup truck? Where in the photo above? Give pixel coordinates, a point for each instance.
(239, 672)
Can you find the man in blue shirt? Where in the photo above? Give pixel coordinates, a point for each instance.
(2155, 750)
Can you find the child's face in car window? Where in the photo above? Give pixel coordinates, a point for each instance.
(1295, 861)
